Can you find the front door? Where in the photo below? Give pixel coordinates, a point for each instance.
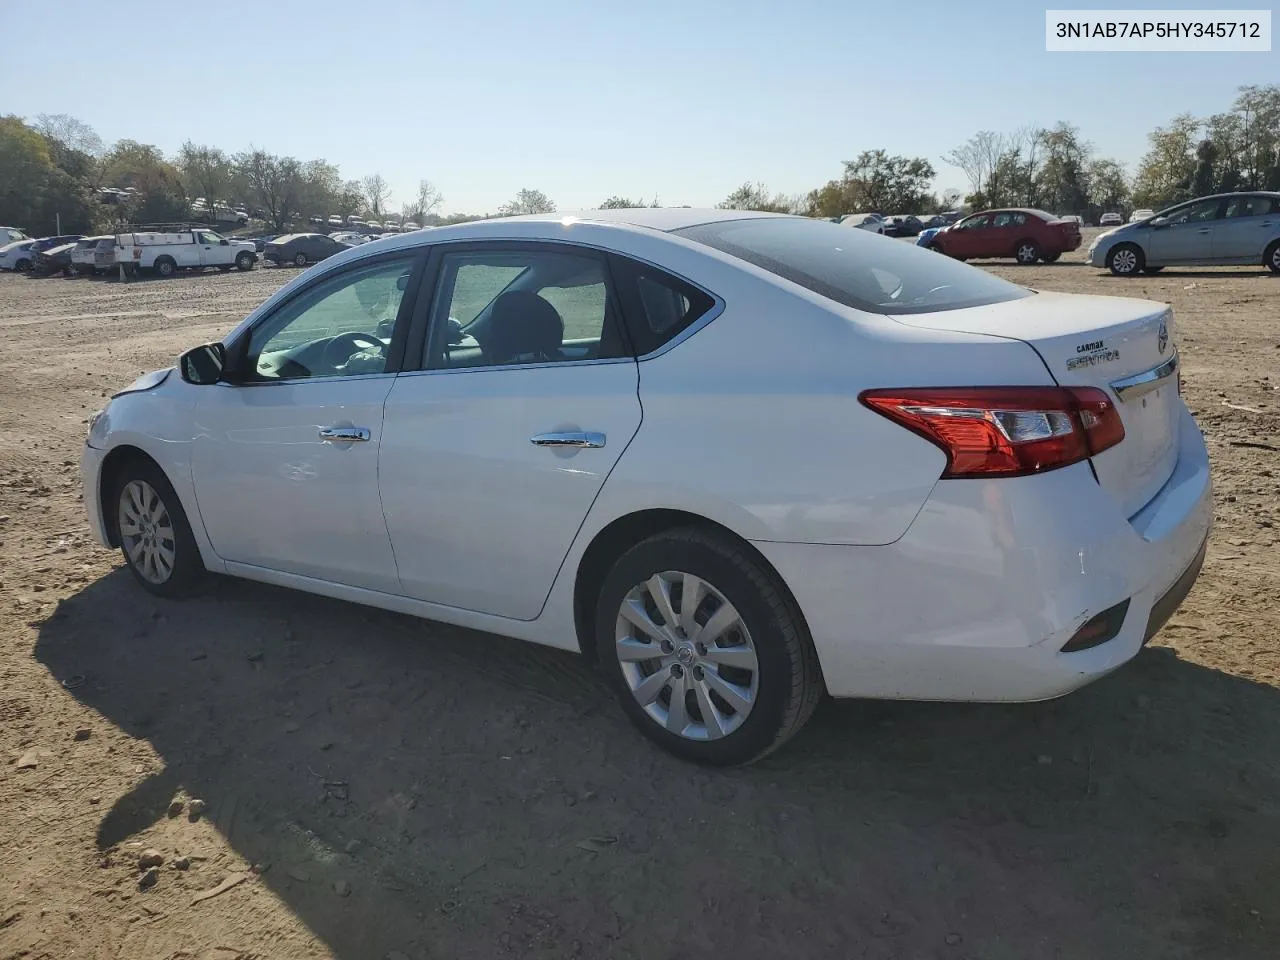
(967, 238)
(1186, 235)
(212, 251)
(494, 451)
(286, 461)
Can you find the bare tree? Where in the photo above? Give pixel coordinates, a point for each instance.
(425, 204)
(978, 157)
(527, 201)
(376, 193)
(71, 133)
(951, 198)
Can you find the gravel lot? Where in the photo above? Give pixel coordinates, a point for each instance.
(388, 787)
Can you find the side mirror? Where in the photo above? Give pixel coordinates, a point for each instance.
(1160, 222)
(402, 281)
(203, 365)
(222, 242)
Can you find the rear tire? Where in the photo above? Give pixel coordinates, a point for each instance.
(300, 260)
(1026, 252)
(155, 537)
(746, 689)
(23, 266)
(1126, 260)
(244, 261)
(1272, 257)
(166, 266)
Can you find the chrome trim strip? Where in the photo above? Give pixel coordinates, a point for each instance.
(1134, 386)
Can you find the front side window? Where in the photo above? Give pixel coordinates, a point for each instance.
(508, 307)
(976, 223)
(342, 326)
(853, 267)
(212, 238)
(1195, 212)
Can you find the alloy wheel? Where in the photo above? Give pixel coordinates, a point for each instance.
(687, 656)
(1027, 253)
(1124, 261)
(146, 532)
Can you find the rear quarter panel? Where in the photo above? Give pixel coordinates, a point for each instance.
(755, 422)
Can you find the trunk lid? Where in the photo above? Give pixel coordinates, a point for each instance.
(1123, 346)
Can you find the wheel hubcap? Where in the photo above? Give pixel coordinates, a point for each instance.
(1125, 261)
(686, 656)
(146, 532)
(1026, 254)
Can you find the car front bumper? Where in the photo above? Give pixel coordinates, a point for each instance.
(91, 459)
(978, 597)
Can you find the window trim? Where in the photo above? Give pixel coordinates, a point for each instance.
(238, 348)
(630, 269)
(421, 327)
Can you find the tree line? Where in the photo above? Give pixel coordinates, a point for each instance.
(54, 171)
(1057, 169)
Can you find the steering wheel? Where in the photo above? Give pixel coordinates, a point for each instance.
(340, 349)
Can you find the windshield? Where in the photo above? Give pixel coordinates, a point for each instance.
(855, 267)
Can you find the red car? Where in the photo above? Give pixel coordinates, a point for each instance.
(1025, 235)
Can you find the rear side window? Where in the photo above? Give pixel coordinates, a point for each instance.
(658, 306)
(854, 267)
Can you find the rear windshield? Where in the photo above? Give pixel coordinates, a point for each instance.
(855, 267)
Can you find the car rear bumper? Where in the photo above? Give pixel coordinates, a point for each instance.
(977, 599)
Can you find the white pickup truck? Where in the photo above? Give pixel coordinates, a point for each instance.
(166, 253)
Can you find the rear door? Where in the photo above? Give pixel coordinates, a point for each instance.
(1250, 222)
(494, 451)
(1125, 347)
(1186, 234)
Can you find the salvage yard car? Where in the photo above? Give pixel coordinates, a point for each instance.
(1230, 229)
(301, 249)
(94, 255)
(1024, 234)
(726, 454)
(167, 252)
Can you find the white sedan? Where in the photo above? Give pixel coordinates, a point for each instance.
(739, 459)
(871, 222)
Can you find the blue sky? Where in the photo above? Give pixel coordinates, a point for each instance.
(682, 99)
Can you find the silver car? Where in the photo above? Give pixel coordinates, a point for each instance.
(1227, 229)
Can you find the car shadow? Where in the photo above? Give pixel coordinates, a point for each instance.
(484, 797)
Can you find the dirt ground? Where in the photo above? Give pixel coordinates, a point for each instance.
(383, 787)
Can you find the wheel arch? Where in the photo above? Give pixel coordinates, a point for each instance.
(116, 461)
(623, 533)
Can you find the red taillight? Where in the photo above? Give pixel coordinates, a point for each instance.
(1005, 431)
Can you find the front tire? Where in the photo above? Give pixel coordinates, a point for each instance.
(23, 266)
(1126, 260)
(244, 261)
(155, 537)
(300, 260)
(727, 673)
(1026, 252)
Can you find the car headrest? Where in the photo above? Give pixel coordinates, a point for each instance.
(524, 328)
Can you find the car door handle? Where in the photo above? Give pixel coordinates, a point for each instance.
(1265, 223)
(344, 434)
(572, 439)
(1204, 230)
